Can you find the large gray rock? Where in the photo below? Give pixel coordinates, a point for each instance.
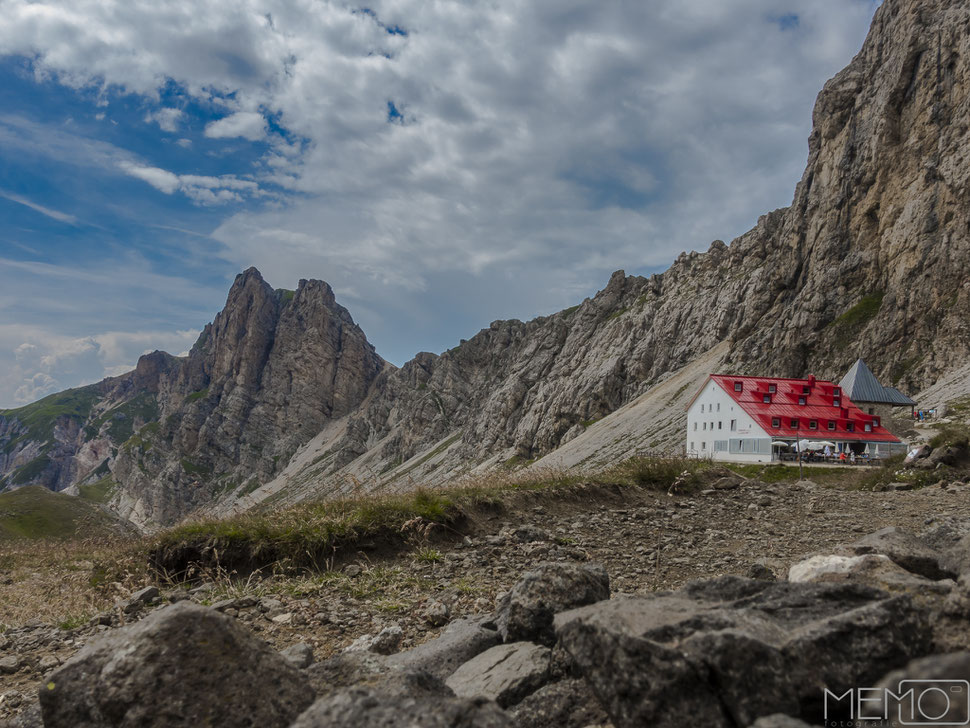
(505, 673)
(368, 708)
(929, 676)
(905, 549)
(779, 721)
(462, 640)
(727, 651)
(527, 611)
(565, 704)
(183, 665)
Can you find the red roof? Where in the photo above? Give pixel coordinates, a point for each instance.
(794, 404)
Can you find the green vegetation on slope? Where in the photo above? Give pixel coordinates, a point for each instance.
(30, 471)
(122, 418)
(310, 535)
(40, 417)
(99, 492)
(35, 512)
(860, 314)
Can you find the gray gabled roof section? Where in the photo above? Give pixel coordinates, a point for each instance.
(861, 385)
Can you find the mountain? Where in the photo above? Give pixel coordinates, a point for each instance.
(283, 398)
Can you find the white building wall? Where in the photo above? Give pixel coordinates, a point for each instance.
(714, 419)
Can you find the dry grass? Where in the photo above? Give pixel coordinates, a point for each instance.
(66, 582)
(295, 548)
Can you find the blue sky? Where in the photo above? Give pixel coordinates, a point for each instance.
(441, 165)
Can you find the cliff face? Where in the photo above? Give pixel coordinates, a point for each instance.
(264, 377)
(283, 396)
(871, 260)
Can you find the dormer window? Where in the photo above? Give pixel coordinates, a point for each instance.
(836, 391)
(831, 424)
(875, 422)
(772, 388)
(850, 427)
(793, 424)
(806, 390)
(836, 402)
(813, 424)
(802, 400)
(738, 386)
(868, 427)
(776, 421)
(766, 399)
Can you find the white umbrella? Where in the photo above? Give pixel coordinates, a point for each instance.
(825, 443)
(809, 445)
(779, 443)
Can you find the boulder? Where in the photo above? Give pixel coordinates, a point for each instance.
(941, 690)
(923, 451)
(183, 665)
(876, 570)
(779, 720)
(505, 673)
(345, 670)
(565, 704)
(385, 642)
(527, 611)
(299, 655)
(727, 651)
(369, 708)
(462, 640)
(903, 548)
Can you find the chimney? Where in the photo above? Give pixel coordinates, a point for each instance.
(811, 380)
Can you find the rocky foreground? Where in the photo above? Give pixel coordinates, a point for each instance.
(585, 629)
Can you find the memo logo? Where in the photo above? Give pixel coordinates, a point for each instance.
(913, 703)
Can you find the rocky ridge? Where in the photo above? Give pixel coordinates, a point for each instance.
(283, 399)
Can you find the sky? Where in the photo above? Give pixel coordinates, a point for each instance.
(441, 163)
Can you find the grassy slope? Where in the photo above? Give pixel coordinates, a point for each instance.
(35, 512)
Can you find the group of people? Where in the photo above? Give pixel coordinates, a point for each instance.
(922, 415)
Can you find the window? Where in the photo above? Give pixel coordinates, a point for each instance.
(868, 427)
(766, 399)
(806, 390)
(850, 427)
(734, 425)
(836, 392)
(813, 424)
(836, 402)
(831, 424)
(703, 446)
(875, 422)
(720, 425)
(738, 386)
(793, 424)
(695, 427)
(702, 409)
(705, 426)
(718, 406)
(691, 444)
(776, 421)
(772, 388)
(801, 400)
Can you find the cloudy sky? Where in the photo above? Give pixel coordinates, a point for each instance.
(441, 163)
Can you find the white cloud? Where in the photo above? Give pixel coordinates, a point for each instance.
(167, 119)
(160, 179)
(523, 148)
(203, 189)
(53, 214)
(246, 124)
